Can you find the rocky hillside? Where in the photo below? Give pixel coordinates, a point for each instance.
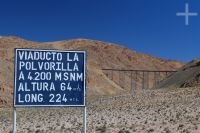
(100, 55)
(186, 76)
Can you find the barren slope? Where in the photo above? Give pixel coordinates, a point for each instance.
(100, 55)
(186, 76)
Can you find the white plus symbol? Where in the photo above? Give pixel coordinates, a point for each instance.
(186, 14)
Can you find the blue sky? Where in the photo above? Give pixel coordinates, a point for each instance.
(148, 26)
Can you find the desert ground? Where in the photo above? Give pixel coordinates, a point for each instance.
(152, 111)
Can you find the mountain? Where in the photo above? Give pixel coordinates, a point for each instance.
(99, 55)
(186, 76)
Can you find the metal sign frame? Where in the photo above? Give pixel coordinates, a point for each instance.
(56, 105)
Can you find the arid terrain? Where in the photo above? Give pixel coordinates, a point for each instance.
(99, 55)
(158, 111)
(186, 76)
(173, 106)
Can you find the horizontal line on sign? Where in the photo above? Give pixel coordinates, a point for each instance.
(56, 50)
(24, 106)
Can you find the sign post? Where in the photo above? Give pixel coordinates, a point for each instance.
(85, 120)
(49, 78)
(14, 120)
